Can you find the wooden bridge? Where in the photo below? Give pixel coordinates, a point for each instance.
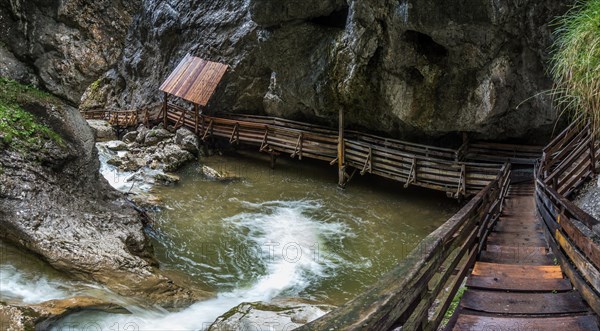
(528, 257)
(458, 172)
(120, 118)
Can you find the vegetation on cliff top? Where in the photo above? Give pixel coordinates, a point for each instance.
(576, 60)
(19, 129)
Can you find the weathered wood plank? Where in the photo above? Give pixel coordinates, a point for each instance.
(517, 277)
(523, 303)
(571, 323)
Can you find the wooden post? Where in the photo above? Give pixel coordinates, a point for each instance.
(593, 151)
(165, 109)
(196, 117)
(341, 150)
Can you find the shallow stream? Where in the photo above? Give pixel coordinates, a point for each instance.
(288, 232)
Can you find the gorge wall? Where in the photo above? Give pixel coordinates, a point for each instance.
(400, 67)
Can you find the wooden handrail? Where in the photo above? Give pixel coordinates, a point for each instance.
(574, 234)
(413, 294)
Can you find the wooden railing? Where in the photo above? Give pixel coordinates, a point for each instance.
(417, 293)
(567, 161)
(412, 164)
(570, 158)
(496, 152)
(120, 118)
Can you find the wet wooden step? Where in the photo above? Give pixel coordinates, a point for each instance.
(523, 303)
(521, 256)
(568, 323)
(517, 226)
(516, 239)
(520, 250)
(514, 277)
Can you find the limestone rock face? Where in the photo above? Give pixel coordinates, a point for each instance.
(400, 67)
(55, 203)
(65, 45)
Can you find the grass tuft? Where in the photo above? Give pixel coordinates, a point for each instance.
(19, 129)
(575, 62)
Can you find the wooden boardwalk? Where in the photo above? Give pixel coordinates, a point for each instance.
(437, 168)
(517, 283)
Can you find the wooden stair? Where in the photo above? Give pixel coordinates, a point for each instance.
(516, 283)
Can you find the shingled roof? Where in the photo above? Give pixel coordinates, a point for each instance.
(194, 79)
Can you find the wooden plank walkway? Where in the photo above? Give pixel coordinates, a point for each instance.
(516, 284)
(431, 167)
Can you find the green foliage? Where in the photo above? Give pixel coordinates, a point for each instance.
(453, 305)
(18, 128)
(576, 60)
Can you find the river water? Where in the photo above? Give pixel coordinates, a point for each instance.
(288, 232)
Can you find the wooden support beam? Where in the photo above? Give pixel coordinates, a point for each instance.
(264, 144)
(196, 118)
(208, 130)
(412, 175)
(235, 134)
(341, 150)
(165, 109)
(298, 148)
(368, 166)
(462, 189)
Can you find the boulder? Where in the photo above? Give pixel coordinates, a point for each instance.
(130, 137)
(142, 131)
(277, 315)
(188, 140)
(102, 130)
(156, 135)
(117, 146)
(173, 157)
(166, 179)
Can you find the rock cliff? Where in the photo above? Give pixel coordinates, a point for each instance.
(55, 203)
(62, 46)
(400, 67)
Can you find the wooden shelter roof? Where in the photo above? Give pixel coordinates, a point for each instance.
(194, 79)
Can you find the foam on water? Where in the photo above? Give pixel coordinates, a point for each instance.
(291, 246)
(20, 288)
(123, 181)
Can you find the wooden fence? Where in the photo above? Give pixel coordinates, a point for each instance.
(119, 118)
(412, 164)
(570, 158)
(573, 234)
(417, 293)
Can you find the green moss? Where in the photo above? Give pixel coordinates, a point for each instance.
(576, 60)
(453, 305)
(19, 129)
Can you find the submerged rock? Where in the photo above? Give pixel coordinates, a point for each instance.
(277, 315)
(41, 316)
(166, 179)
(211, 173)
(102, 130)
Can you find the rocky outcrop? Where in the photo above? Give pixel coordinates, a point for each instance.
(54, 202)
(41, 316)
(65, 45)
(276, 315)
(401, 67)
(157, 149)
(103, 131)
